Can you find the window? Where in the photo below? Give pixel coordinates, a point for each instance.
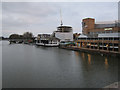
(111, 31)
(96, 38)
(100, 38)
(105, 38)
(88, 38)
(115, 44)
(105, 44)
(83, 24)
(110, 44)
(115, 49)
(110, 38)
(100, 43)
(116, 38)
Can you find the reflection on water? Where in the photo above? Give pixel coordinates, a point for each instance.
(106, 63)
(28, 66)
(83, 56)
(77, 54)
(89, 59)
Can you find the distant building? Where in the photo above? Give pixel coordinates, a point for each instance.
(64, 33)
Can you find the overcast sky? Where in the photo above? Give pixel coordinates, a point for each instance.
(38, 17)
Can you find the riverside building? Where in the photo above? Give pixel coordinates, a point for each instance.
(64, 33)
(104, 36)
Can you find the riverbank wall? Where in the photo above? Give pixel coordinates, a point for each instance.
(87, 50)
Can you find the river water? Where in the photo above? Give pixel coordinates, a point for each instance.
(29, 66)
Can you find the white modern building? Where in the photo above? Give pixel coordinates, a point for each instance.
(64, 33)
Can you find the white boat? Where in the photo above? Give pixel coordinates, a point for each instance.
(51, 42)
(51, 45)
(48, 45)
(39, 44)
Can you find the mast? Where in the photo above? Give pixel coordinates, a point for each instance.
(61, 18)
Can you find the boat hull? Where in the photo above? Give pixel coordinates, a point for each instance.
(47, 45)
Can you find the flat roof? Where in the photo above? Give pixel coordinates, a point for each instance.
(88, 18)
(64, 27)
(82, 36)
(105, 25)
(109, 35)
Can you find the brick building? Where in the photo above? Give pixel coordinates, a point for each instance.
(105, 36)
(90, 27)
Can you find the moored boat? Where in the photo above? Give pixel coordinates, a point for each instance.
(50, 42)
(47, 45)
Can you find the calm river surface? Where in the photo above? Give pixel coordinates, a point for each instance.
(29, 66)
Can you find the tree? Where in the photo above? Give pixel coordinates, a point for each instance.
(28, 35)
(21, 36)
(14, 36)
(76, 35)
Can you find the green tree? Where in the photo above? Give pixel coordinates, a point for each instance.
(28, 35)
(14, 36)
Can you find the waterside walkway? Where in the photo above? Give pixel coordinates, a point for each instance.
(102, 52)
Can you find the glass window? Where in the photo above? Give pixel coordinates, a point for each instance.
(110, 38)
(115, 44)
(100, 38)
(116, 38)
(105, 38)
(110, 44)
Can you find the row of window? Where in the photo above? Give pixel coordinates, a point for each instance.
(114, 38)
(104, 44)
(104, 48)
(100, 32)
(110, 44)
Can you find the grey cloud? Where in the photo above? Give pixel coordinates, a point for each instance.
(44, 17)
(32, 8)
(30, 13)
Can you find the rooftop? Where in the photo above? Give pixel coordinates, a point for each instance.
(109, 35)
(82, 36)
(64, 27)
(108, 22)
(105, 25)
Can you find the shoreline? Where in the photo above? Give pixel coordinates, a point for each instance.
(87, 50)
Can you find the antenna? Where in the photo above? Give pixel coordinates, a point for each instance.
(61, 18)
